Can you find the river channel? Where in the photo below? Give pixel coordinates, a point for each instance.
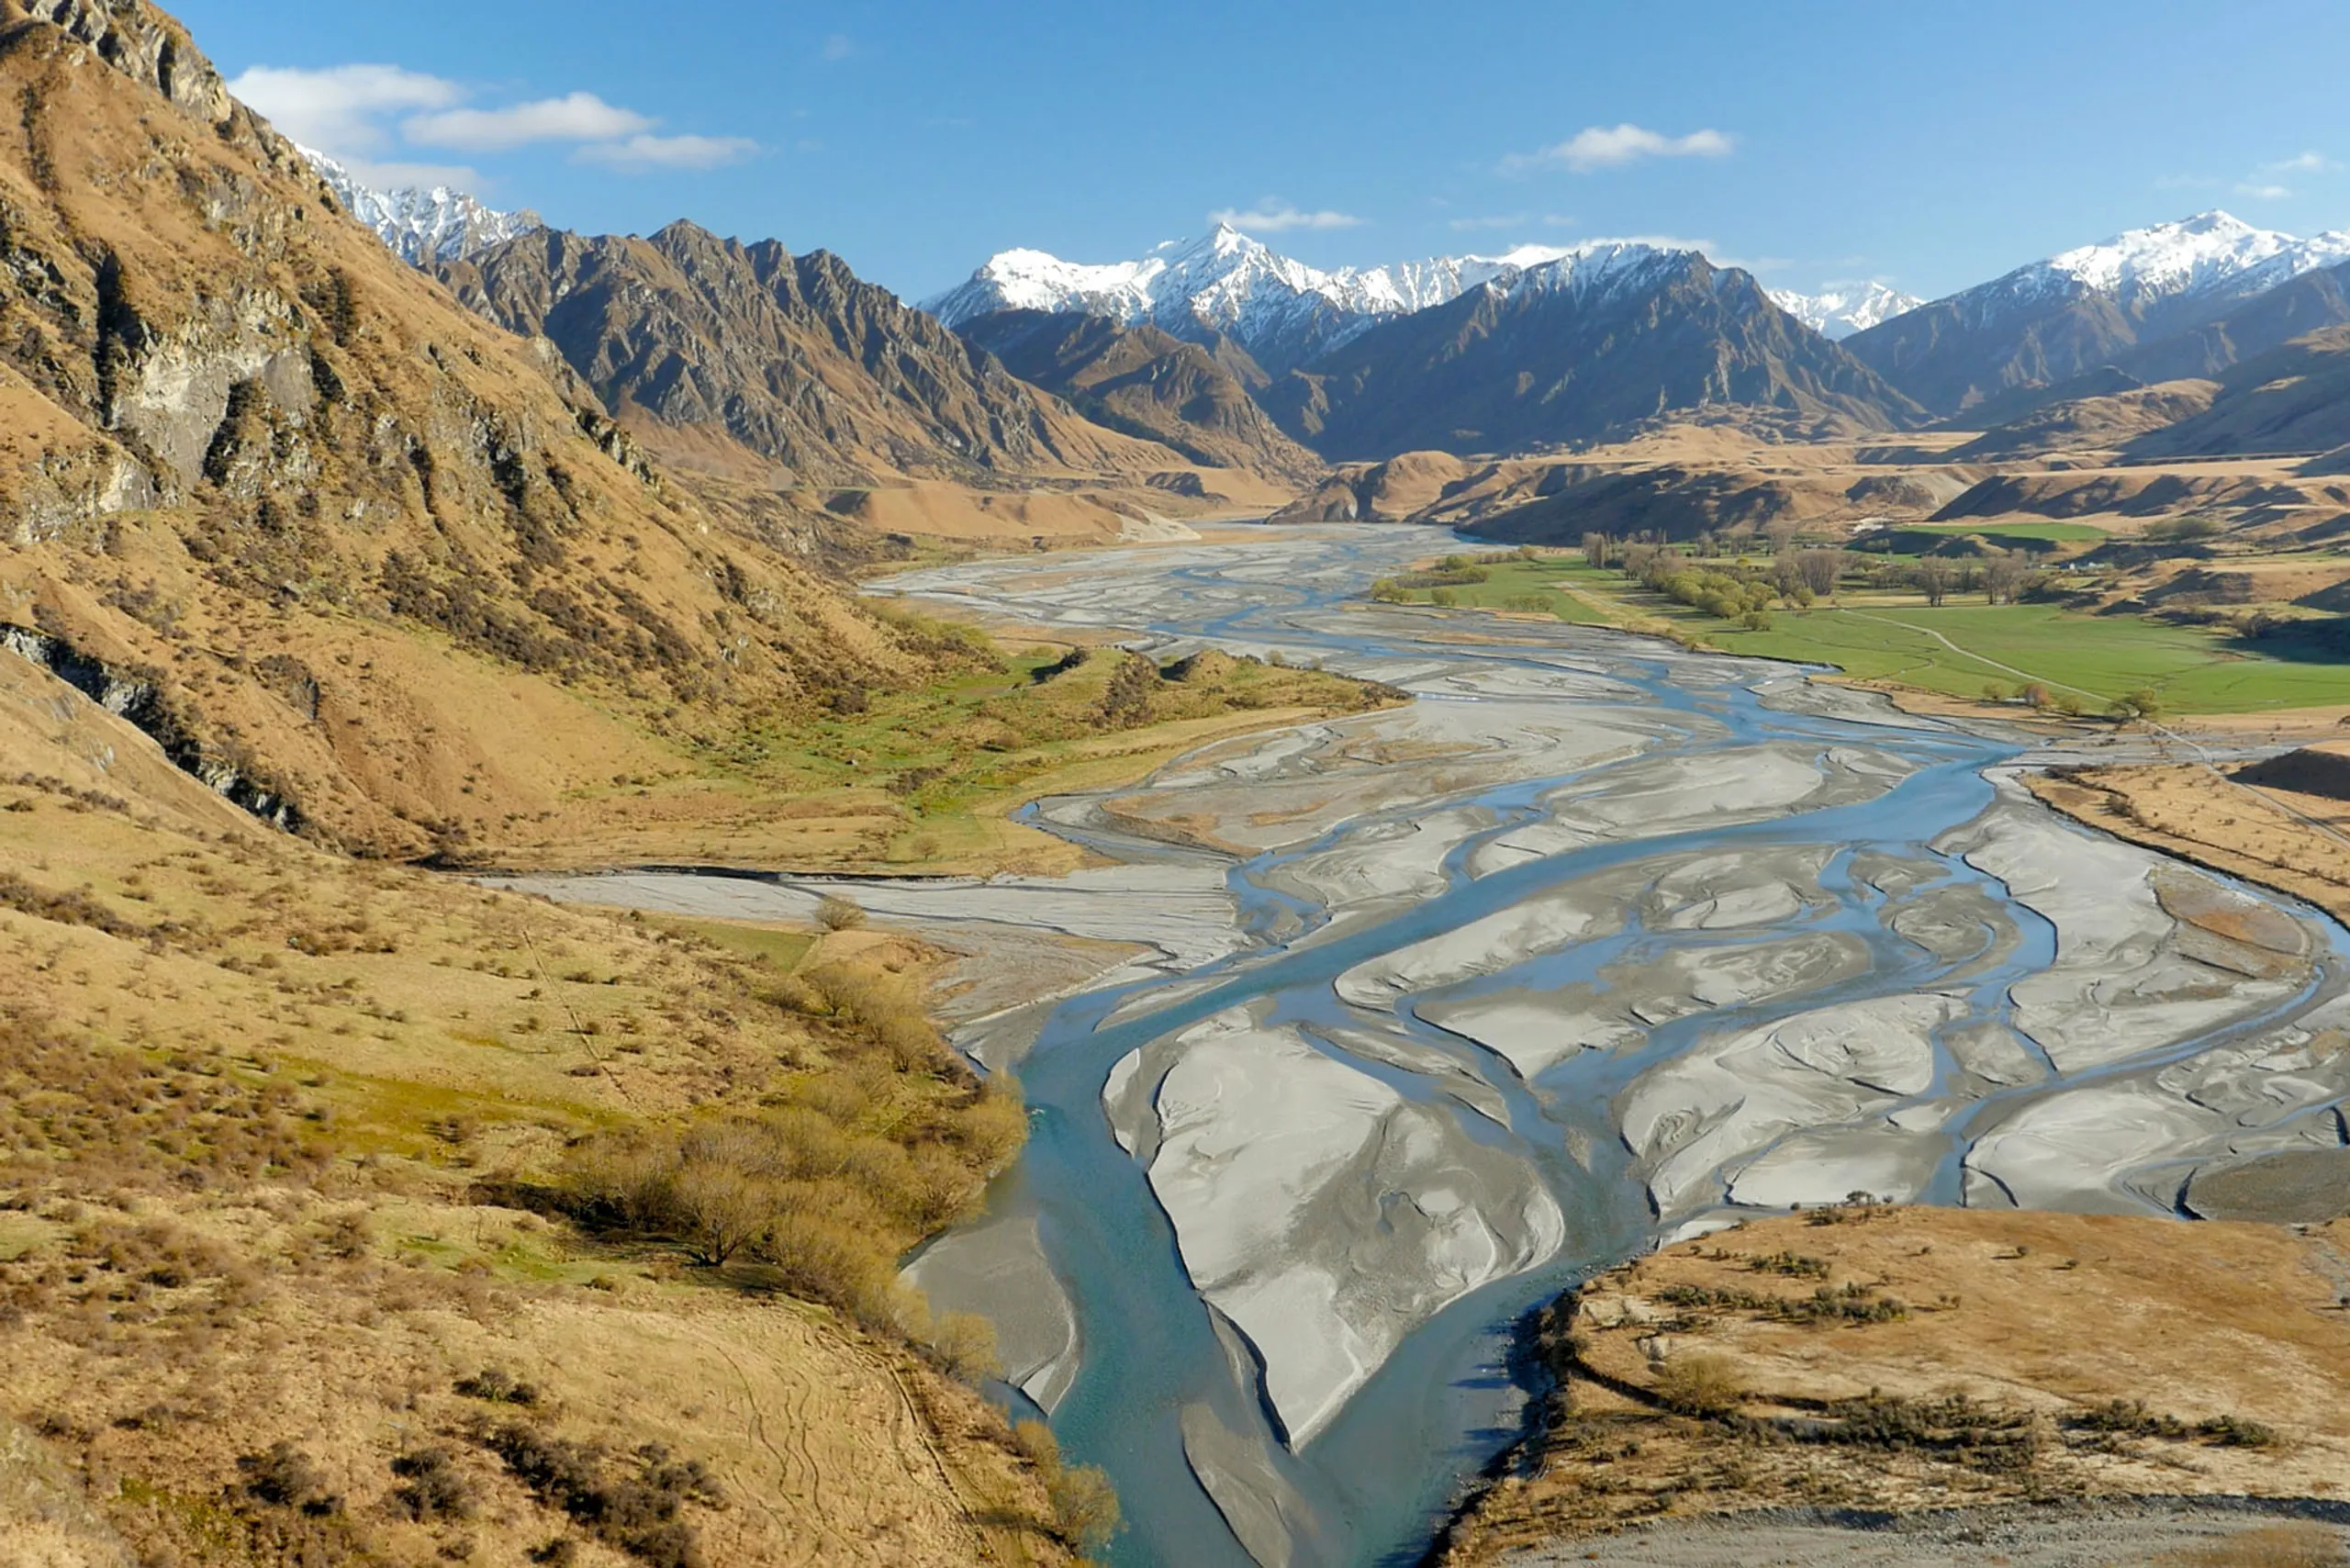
(1595, 942)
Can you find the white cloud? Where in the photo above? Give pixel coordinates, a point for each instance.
(366, 116)
(2263, 193)
(838, 46)
(639, 153)
(574, 116)
(402, 175)
(1605, 147)
(1272, 217)
(337, 109)
(2302, 164)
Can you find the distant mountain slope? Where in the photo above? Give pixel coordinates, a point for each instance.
(1598, 340)
(2306, 303)
(1838, 313)
(2122, 402)
(422, 227)
(2055, 319)
(1140, 380)
(1229, 288)
(2104, 420)
(793, 357)
(2293, 399)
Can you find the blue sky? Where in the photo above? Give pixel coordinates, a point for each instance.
(1931, 146)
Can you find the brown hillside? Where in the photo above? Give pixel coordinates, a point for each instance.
(2294, 399)
(2077, 424)
(289, 1161)
(374, 555)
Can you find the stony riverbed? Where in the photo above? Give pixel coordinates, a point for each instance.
(1438, 1008)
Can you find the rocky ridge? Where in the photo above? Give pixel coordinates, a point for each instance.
(793, 359)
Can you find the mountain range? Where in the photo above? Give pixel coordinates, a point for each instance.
(1567, 350)
(1220, 351)
(2048, 322)
(1227, 289)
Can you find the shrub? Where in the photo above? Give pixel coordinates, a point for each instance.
(1085, 1504)
(435, 1488)
(1698, 1383)
(285, 1477)
(1126, 699)
(966, 1342)
(834, 913)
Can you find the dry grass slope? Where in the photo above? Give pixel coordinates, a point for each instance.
(293, 1146)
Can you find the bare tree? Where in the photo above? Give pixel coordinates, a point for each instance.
(1595, 549)
(1820, 569)
(1932, 576)
(2003, 578)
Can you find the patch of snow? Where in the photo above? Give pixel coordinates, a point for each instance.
(421, 226)
(1840, 310)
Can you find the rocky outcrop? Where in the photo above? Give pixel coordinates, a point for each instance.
(139, 697)
(144, 45)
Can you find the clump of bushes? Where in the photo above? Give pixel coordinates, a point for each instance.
(843, 1166)
(1854, 1303)
(497, 1387)
(2131, 1418)
(639, 1510)
(285, 1476)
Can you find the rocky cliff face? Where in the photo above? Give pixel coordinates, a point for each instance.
(235, 430)
(1147, 383)
(794, 358)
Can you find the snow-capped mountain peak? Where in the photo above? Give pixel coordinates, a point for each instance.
(2211, 257)
(421, 225)
(1840, 310)
(1226, 285)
